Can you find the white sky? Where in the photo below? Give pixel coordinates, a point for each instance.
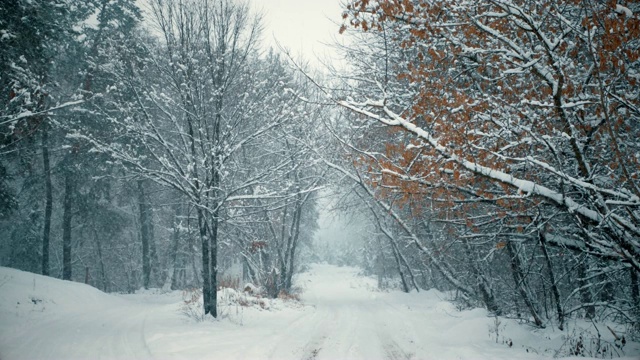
(301, 25)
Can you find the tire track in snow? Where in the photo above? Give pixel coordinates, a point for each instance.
(316, 338)
(390, 317)
(393, 351)
(313, 348)
(133, 336)
(282, 344)
(322, 331)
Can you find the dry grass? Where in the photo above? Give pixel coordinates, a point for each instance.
(288, 296)
(228, 282)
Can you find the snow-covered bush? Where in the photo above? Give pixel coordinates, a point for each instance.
(287, 296)
(192, 304)
(496, 329)
(592, 343)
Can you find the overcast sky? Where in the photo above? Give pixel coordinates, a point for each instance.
(301, 25)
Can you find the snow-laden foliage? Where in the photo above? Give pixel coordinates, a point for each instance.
(133, 149)
(500, 140)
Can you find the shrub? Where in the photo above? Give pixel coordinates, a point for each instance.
(287, 296)
(192, 304)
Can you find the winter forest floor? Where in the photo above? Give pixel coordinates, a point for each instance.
(341, 316)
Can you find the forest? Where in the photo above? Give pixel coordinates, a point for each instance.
(487, 148)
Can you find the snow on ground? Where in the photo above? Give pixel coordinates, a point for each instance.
(343, 316)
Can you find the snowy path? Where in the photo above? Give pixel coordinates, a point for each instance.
(351, 321)
(343, 318)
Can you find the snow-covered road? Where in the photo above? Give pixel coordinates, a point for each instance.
(350, 319)
(343, 317)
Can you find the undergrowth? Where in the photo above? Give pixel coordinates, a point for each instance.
(232, 301)
(192, 304)
(591, 343)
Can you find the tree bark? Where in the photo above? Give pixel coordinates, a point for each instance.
(174, 250)
(103, 273)
(213, 305)
(206, 265)
(520, 282)
(405, 286)
(635, 293)
(145, 235)
(483, 285)
(293, 244)
(585, 293)
(66, 225)
(48, 207)
(396, 252)
(155, 277)
(552, 279)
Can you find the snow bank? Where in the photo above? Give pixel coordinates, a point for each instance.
(23, 293)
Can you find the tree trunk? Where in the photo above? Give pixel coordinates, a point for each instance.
(396, 253)
(213, 305)
(608, 291)
(155, 276)
(206, 265)
(283, 253)
(552, 279)
(66, 225)
(585, 293)
(394, 250)
(174, 250)
(520, 281)
(635, 294)
(405, 286)
(48, 200)
(191, 255)
(482, 284)
(246, 276)
(251, 271)
(103, 273)
(406, 265)
(294, 245)
(145, 235)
